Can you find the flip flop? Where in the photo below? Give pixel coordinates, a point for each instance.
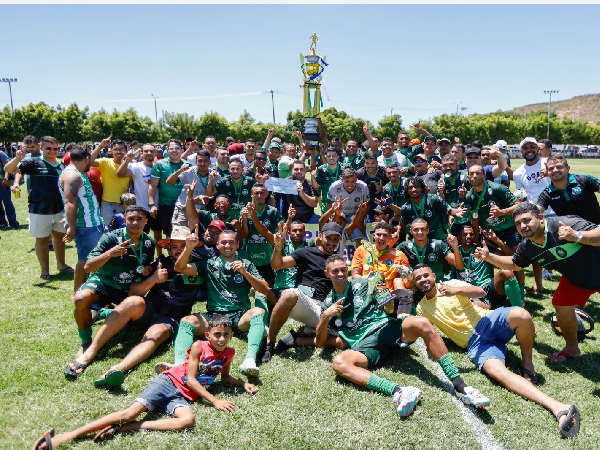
(72, 372)
(45, 276)
(534, 291)
(113, 379)
(108, 432)
(570, 426)
(554, 356)
(46, 438)
(534, 378)
(67, 269)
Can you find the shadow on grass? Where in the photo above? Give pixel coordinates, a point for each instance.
(586, 366)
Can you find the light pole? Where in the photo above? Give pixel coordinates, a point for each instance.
(9, 80)
(457, 105)
(273, 103)
(549, 105)
(155, 110)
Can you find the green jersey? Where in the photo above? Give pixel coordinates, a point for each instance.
(227, 290)
(411, 151)
(88, 209)
(476, 272)
(480, 203)
(286, 278)
(120, 271)
(451, 188)
(238, 193)
(206, 217)
(284, 166)
(356, 162)
(395, 193)
(325, 178)
(361, 314)
(431, 208)
(161, 170)
(433, 255)
(257, 246)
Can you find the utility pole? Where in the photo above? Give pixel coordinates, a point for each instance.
(391, 112)
(155, 110)
(273, 103)
(9, 81)
(457, 105)
(549, 106)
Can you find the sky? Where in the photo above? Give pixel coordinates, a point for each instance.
(418, 61)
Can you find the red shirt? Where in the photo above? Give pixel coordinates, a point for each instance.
(235, 149)
(210, 365)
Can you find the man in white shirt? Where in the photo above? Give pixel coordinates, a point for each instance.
(351, 192)
(529, 178)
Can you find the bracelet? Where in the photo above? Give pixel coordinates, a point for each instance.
(151, 205)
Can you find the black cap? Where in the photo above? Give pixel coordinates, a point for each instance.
(473, 150)
(332, 228)
(229, 139)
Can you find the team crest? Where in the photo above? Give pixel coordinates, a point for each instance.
(147, 244)
(244, 191)
(428, 213)
(431, 257)
(561, 252)
(267, 222)
(388, 262)
(356, 199)
(238, 278)
(576, 190)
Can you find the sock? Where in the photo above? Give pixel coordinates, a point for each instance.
(511, 288)
(183, 341)
(448, 366)
(260, 301)
(104, 313)
(85, 335)
(255, 336)
(459, 385)
(381, 385)
(522, 289)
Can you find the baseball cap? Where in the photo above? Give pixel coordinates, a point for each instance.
(526, 140)
(501, 144)
(445, 140)
(275, 144)
(473, 150)
(218, 224)
(332, 228)
(229, 139)
(430, 138)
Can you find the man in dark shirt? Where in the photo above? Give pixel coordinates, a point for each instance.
(374, 177)
(567, 244)
(45, 203)
(305, 202)
(569, 194)
(432, 178)
(303, 303)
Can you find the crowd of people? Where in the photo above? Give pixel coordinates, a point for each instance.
(440, 239)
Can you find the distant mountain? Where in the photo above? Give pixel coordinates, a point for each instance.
(584, 107)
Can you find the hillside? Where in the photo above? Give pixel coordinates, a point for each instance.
(584, 107)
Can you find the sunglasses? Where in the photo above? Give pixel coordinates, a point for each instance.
(417, 161)
(225, 203)
(260, 159)
(473, 157)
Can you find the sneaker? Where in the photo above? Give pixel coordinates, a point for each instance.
(286, 342)
(249, 368)
(473, 397)
(269, 352)
(547, 275)
(160, 367)
(406, 398)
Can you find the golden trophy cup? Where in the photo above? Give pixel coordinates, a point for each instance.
(313, 66)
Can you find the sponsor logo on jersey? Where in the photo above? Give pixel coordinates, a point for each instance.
(576, 190)
(561, 252)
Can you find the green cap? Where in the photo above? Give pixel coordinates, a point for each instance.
(275, 144)
(445, 140)
(429, 138)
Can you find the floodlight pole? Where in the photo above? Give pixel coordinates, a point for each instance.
(155, 110)
(9, 81)
(273, 103)
(549, 106)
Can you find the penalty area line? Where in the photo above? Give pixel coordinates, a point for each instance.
(482, 434)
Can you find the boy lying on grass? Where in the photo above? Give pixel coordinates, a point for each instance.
(170, 390)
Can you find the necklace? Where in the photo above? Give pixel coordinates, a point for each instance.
(140, 268)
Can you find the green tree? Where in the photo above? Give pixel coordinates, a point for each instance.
(69, 123)
(37, 120)
(98, 126)
(389, 126)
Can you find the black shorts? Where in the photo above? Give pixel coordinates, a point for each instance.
(150, 318)
(493, 298)
(165, 215)
(152, 224)
(510, 237)
(267, 273)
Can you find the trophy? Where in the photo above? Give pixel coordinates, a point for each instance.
(313, 66)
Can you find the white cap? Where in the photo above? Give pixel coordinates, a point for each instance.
(501, 144)
(526, 140)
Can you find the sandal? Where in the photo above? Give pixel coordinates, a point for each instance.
(554, 357)
(67, 269)
(45, 276)
(45, 438)
(113, 379)
(107, 432)
(71, 372)
(534, 378)
(570, 426)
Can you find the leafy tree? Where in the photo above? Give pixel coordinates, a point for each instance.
(69, 122)
(389, 126)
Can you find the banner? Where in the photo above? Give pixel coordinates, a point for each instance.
(282, 186)
(312, 230)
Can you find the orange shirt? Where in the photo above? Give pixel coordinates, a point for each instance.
(388, 264)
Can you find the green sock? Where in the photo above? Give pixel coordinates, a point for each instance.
(255, 335)
(183, 341)
(511, 288)
(522, 289)
(448, 366)
(260, 301)
(104, 313)
(381, 385)
(85, 335)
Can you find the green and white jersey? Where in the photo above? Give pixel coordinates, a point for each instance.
(433, 209)
(239, 193)
(411, 151)
(481, 202)
(395, 193)
(227, 290)
(119, 272)
(258, 248)
(476, 272)
(286, 278)
(433, 254)
(325, 178)
(356, 162)
(361, 314)
(88, 209)
(359, 194)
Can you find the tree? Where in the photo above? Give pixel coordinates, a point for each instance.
(68, 123)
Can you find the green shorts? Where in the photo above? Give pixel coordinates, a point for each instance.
(235, 317)
(510, 237)
(492, 298)
(378, 345)
(107, 294)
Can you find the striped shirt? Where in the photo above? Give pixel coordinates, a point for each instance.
(88, 209)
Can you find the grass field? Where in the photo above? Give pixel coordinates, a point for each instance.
(301, 403)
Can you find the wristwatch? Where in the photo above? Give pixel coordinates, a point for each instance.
(150, 205)
(475, 216)
(579, 236)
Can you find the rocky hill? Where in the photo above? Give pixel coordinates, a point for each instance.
(583, 107)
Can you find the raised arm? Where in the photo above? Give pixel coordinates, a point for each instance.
(123, 171)
(182, 264)
(140, 288)
(278, 261)
(501, 165)
(454, 258)
(332, 311)
(260, 285)
(503, 262)
(95, 263)
(417, 126)
(105, 143)
(269, 137)
(372, 143)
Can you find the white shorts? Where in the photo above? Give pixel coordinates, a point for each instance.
(307, 310)
(179, 217)
(41, 225)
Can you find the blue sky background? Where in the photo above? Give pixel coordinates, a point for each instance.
(418, 60)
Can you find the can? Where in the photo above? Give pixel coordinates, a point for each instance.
(18, 192)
